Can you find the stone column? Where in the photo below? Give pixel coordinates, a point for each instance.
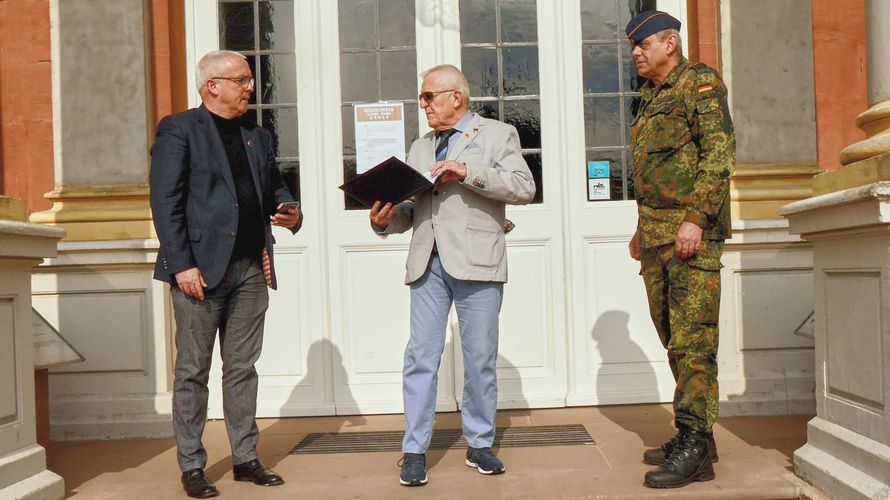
(876, 120)
(847, 454)
(99, 290)
(23, 471)
(101, 120)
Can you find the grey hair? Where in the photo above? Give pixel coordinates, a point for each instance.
(664, 34)
(212, 64)
(452, 77)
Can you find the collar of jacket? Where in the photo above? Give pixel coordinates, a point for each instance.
(649, 88)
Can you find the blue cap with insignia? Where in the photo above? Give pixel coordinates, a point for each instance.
(648, 23)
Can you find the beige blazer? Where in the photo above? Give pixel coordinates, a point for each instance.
(466, 219)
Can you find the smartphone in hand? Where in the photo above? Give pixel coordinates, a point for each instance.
(288, 204)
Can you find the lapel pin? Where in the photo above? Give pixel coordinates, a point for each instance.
(250, 143)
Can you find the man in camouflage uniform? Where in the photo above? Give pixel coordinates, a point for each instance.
(684, 151)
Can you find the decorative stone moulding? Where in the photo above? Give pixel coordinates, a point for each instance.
(875, 122)
(90, 213)
(759, 190)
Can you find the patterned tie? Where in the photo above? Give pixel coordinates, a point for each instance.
(442, 143)
(267, 268)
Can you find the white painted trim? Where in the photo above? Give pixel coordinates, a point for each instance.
(677, 8)
(200, 38)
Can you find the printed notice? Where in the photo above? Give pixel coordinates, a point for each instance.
(598, 182)
(379, 134)
(598, 189)
(597, 169)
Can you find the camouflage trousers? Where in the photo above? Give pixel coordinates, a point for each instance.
(684, 302)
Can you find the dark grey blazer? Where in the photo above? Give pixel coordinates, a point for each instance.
(193, 200)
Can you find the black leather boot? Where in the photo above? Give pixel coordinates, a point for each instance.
(689, 461)
(656, 456)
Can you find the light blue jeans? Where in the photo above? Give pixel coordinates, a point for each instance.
(478, 304)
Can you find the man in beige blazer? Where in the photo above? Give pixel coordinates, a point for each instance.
(457, 254)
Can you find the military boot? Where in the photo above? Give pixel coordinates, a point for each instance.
(656, 456)
(689, 461)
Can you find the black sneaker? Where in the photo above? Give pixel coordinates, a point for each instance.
(413, 469)
(484, 461)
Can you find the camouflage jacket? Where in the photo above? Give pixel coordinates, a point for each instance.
(683, 148)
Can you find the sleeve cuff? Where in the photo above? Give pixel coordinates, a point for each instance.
(697, 218)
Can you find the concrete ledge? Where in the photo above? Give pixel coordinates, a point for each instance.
(856, 174)
(861, 474)
(113, 212)
(21, 463)
(38, 483)
(13, 209)
(759, 190)
(43, 486)
(851, 209)
(102, 430)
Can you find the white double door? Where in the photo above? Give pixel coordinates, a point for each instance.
(574, 323)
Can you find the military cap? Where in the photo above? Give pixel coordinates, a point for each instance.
(648, 23)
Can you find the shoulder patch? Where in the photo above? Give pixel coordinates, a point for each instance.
(701, 67)
(705, 88)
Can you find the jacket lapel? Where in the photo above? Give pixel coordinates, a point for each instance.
(218, 158)
(251, 145)
(428, 152)
(466, 137)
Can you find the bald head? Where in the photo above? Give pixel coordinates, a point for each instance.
(448, 76)
(213, 64)
(225, 83)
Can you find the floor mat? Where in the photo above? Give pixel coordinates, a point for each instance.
(443, 439)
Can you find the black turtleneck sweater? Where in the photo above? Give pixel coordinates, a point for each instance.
(249, 241)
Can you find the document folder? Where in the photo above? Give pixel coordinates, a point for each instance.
(391, 181)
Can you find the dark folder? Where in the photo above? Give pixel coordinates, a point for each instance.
(391, 181)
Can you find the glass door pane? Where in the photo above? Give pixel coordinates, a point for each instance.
(378, 62)
(263, 30)
(610, 93)
(499, 56)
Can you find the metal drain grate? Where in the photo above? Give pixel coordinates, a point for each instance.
(367, 442)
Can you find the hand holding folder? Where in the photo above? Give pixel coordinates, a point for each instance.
(391, 181)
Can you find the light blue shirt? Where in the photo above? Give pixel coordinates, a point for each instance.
(461, 127)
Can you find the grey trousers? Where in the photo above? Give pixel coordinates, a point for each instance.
(478, 305)
(236, 308)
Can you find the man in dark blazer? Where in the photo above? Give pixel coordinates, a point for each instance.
(215, 192)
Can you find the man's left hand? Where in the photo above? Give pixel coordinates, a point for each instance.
(688, 240)
(286, 217)
(449, 170)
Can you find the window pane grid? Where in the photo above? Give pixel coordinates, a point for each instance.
(500, 44)
(497, 97)
(610, 89)
(358, 44)
(263, 31)
(377, 49)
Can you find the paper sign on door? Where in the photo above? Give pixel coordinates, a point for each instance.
(598, 182)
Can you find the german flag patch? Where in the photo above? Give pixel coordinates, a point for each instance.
(705, 88)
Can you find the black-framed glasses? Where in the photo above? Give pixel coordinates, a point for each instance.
(429, 96)
(244, 81)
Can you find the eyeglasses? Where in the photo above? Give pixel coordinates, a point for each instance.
(244, 81)
(429, 96)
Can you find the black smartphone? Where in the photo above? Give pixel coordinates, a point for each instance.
(289, 204)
